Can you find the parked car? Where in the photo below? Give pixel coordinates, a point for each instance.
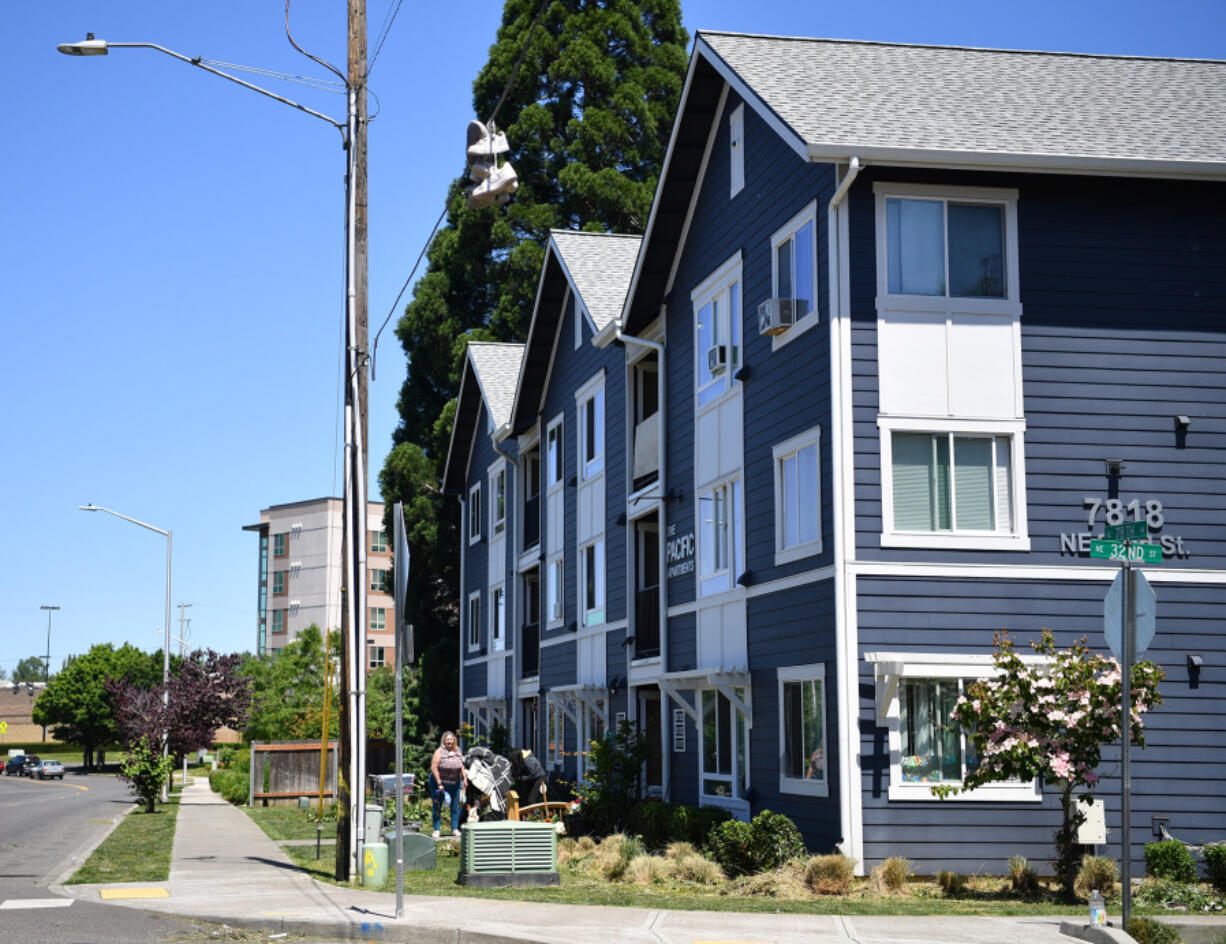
(48, 770)
(13, 765)
(28, 763)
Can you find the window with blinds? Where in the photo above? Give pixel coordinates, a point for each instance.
(950, 482)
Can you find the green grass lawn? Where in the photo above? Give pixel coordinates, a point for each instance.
(137, 851)
(288, 822)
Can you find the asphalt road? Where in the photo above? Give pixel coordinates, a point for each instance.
(45, 829)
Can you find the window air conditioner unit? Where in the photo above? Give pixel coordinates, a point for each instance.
(776, 315)
(717, 359)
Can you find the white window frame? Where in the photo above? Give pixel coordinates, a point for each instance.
(780, 453)
(378, 542)
(1017, 538)
(736, 150)
(597, 614)
(717, 288)
(555, 592)
(591, 392)
(1000, 196)
(778, 238)
(378, 662)
(474, 514)
(474, 621)
(890, 670)
(498, 490)
(710, 583)
(498, 618)
(735, 802)
(521, 500)
(555, 722)
(555, 472)
(382, 619)
(814, 672)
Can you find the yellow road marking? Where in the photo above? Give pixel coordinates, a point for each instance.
(110, 894)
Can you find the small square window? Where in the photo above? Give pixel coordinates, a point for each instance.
(378, 542)
(380, 581)
(280, 582)
(280, 545)
(378, 619)
(378, 657)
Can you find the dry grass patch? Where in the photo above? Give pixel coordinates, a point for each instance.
(890, 877)
(786, 883)
(649, 870)
(614, 854)
(698, 869)
(679, 850)
(830, 874)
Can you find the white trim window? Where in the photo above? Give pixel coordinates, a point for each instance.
(555, 734)
(474, 621)
(949, 483)
(498, 500)
(736, 150)
(378, 619)
(717, 332)
(591, 433)
(794, 272)
(592, 583)
(724, 777)
(721, 537)
(798, 498)
(474, 514)
(803, 757)
(377, 657)
(555, 592)
(916, 695)
(554, 467)
(498, 619)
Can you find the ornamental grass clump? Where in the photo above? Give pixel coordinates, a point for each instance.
(1096, 872)
(951, 883)
(830, 874)
(1050, 719)
(614, 855)
(1022, 876)
(648, 869)
(697, 869)
(891, 875)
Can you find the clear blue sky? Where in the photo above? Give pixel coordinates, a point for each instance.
(172, 261)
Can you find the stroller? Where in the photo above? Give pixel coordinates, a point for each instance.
(489, 782)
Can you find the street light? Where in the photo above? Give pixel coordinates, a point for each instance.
(353, 139)
(47, 665)
(166, 647)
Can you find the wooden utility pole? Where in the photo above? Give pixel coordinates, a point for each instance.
(352, 760)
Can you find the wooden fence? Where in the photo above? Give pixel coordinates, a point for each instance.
(286, 770)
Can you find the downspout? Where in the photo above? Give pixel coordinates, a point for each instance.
(463, 641)
(845, 647)
(665, 764)
(509, 599)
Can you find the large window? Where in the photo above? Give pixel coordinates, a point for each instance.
(592, 583)
(474, 513)
(717, 317)
(474, 621)
(798, 523)
(721, 541)
(802, 734)
(945, 247)
(794, 271)
(725, 746)
(916, 696)
(960, 486)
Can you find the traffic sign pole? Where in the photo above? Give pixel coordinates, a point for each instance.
(1129, 642)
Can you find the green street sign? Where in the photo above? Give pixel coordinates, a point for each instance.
(1120, 551)
(1128, 531)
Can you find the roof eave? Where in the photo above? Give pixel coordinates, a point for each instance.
(996, 160)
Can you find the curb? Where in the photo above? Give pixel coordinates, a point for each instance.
(81, 856)
(1097, 934)
(373, 930)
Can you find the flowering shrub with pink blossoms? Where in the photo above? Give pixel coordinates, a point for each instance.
(1050, 719)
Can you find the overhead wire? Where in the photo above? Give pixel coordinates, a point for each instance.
(523, 51)
(388, 20)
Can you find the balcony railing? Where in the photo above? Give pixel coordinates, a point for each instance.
(532, 521)
(530, 656)
(647, 622)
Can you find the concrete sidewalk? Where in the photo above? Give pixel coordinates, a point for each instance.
(224, 869)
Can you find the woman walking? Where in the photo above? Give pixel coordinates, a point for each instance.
(447, 779)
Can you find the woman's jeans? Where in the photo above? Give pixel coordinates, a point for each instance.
(453, 791)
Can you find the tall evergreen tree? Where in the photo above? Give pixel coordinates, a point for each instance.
(588, 113)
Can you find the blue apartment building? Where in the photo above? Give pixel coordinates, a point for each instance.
(907, 325)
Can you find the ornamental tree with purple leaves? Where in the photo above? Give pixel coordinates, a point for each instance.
(207, 691)
(1050, 718)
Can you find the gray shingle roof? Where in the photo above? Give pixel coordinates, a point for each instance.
(842, 97)
(497, 368)
(600, 266)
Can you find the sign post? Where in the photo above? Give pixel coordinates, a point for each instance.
(404, 654)
(1128, 544)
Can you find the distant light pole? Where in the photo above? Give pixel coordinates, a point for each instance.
(166, 646)
(47, 665)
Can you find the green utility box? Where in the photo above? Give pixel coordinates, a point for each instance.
(374, 864)
(508, 853)
(419, 850)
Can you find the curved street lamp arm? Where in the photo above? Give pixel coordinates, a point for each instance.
(124, 517)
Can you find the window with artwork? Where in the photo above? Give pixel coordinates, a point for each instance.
(802, 734)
